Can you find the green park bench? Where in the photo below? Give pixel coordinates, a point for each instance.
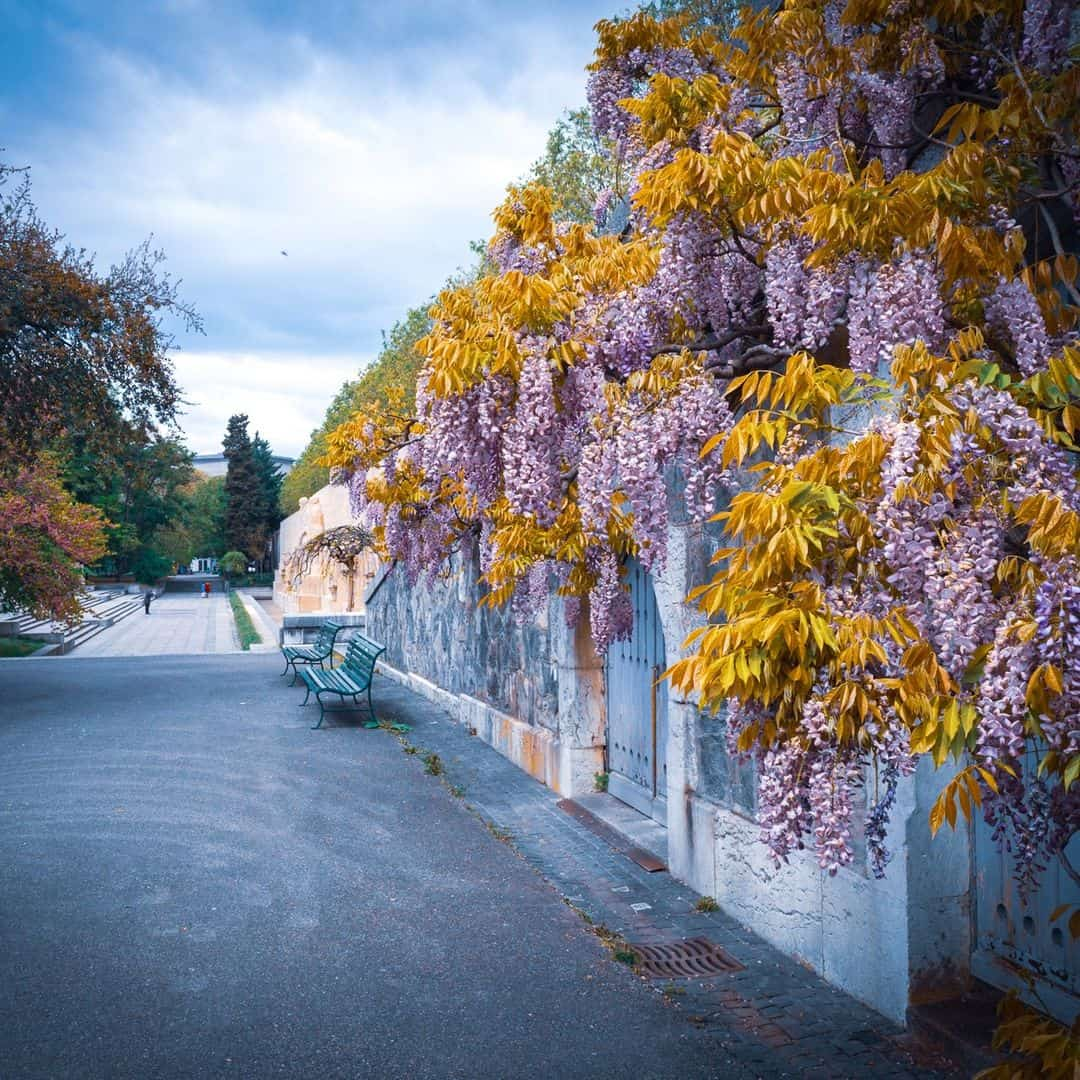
(322, 648)
(351, 678)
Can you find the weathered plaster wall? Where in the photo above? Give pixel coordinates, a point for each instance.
(940, 914)
(879, 940)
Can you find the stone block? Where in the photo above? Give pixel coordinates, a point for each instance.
(782, 905)
(864, 939)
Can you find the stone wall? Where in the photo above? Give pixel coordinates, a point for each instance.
(534, 691)
(439, 630)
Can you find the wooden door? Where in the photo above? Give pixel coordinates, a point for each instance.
(637, 705)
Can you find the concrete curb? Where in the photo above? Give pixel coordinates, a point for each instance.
(267, 628)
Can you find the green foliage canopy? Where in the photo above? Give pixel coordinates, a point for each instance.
(577, 166)
(233, 563)
(394, 372)
(245, 506)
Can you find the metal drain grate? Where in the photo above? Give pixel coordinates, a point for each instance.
(689, 959)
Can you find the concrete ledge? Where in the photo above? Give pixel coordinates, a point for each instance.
(635, 828)
(266, 626)
(317, 618)
(301, 628)
(443, 698)
(535, 750)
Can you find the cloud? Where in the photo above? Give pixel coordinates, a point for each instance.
(372, 152)
(284, 395)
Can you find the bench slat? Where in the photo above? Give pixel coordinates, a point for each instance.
(321, 649)
(352, 677)
(337, 680)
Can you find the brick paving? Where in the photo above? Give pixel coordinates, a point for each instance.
(775, 1017)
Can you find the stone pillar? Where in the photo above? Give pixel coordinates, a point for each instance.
(691, 820)
(582, 721)
(939, 911)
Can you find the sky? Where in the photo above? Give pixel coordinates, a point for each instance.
(310, 170)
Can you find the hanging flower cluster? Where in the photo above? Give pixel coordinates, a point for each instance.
(822, 289)
(552, 406)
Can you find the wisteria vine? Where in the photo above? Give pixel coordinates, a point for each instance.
(845, 255)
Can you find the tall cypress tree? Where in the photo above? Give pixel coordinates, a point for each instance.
(269, 481)
(245, 505)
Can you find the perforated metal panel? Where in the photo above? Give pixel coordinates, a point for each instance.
(1013, 933)
(637, 705)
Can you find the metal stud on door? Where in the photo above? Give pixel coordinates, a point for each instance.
(1016, 945)
(637, 705)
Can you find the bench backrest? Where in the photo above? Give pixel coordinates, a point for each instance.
(327, 632)
(362, 654)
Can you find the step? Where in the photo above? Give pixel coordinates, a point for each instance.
(640, 838)
(89, 629)
(960, 1027)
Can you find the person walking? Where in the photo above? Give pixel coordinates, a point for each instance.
(148, 596)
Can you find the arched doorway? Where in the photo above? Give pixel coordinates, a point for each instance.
(637, 721)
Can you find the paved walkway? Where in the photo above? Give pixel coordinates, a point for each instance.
(196, 884)
(178, 624)
(774, 1017)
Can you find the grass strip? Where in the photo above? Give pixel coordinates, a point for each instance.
(19, 646)
(245, 628)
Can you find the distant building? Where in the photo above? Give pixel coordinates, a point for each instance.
(216, 465)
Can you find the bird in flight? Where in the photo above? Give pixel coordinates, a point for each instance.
(284, 252)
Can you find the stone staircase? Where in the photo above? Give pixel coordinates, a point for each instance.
(101, 609)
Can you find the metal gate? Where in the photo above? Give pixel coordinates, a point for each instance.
(637, 705)
(1012, 934)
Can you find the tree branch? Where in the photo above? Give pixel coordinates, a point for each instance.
(759, 358)
(714, 342)
(961, 95)
(1055, 239)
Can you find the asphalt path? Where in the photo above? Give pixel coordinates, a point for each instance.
(195, 884)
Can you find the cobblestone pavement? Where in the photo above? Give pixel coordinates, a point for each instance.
(179, 624)
(775, 1017)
